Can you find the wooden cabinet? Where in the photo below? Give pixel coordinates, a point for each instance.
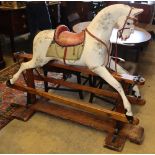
(13, 23)
(54, 10)
(19, 22)
(73, 12)
(2, 62)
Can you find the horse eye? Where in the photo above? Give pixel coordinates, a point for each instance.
(128, 23)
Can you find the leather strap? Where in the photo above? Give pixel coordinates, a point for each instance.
(128, 17)
(65, 54)
(99, 40)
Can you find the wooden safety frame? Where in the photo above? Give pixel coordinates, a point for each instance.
(115, 123)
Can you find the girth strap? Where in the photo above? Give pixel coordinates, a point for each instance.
(65, 53)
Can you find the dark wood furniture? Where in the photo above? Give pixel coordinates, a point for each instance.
(13, 23)
(54, 10)
(73, 12)
(2, 62)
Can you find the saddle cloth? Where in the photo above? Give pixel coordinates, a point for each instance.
(57, 51)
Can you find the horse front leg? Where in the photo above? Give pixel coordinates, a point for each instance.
(121, 70)
(104, 73)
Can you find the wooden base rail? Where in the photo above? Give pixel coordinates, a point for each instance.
(103, 92)
(127, 131)
(76, 104)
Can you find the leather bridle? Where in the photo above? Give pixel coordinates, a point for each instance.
(99, 40)
(123, 28)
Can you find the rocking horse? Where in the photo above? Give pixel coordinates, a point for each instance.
(92, 58)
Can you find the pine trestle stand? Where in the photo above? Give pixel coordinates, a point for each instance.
(114, 122)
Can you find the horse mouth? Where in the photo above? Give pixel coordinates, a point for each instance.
(125, 38)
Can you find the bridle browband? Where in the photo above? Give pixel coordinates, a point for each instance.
(121, 32)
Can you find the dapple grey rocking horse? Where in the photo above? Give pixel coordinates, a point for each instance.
(96, 46)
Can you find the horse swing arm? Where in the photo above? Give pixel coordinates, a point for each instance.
(118, 126)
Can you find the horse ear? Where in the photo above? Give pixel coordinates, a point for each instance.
(137, 11)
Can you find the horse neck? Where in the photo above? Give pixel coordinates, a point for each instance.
(103, 24)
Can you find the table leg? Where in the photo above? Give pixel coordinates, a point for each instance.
(2, 62)
(12, 43)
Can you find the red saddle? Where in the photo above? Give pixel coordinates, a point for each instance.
(64, 37)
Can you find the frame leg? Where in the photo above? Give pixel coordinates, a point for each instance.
(45, 82)
(31, 98)
(114, 140)
(79, 82)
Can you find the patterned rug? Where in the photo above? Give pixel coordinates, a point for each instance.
(8, 95)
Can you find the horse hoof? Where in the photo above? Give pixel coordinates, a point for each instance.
(139, 97)
(8, 83)
(130, 119)
(134, 94)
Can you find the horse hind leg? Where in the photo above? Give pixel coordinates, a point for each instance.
(24, 66)
(104, 73)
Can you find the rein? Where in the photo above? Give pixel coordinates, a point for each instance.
(99, 40)
(121, 32)
(123, 28)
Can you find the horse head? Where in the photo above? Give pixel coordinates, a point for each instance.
(126, 22)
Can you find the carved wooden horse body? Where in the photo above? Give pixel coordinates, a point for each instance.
(95, 54)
